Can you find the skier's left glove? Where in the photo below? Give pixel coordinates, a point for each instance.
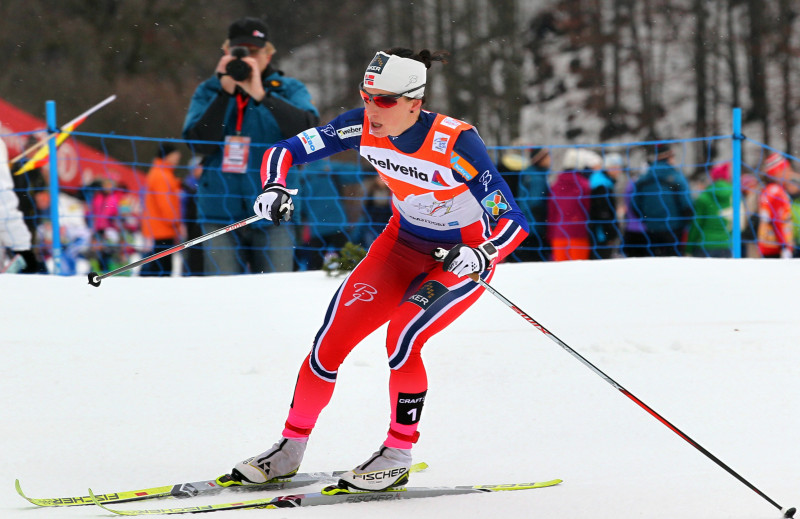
(275, 203)
(463, 260)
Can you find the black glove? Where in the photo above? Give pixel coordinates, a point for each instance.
(463, 260)
(275, 203)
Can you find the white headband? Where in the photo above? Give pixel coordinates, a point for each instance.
(395, 74)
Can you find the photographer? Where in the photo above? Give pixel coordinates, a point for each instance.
(246, 106)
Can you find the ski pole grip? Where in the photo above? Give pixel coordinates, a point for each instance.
(439, 254)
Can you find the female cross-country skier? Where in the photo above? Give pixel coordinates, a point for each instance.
(453, 216)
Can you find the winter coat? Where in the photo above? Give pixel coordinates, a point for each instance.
(568, 207)
(161, 218)
(713, 218)
(603, 208)
(532, 195)
(633, 222)
(227, 197)
(661, 197)
(775, 231)
(105, 210)
(13, 231)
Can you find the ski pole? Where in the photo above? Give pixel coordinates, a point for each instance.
(787, 512)
(95, 278)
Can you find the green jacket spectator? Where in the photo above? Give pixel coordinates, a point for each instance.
(710, 232)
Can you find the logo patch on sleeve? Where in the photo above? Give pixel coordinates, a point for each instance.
(428, 293)
(312, 140)
(496, 204)
(462, 167)
(350, 131)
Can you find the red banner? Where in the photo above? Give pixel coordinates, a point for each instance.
(78, 164)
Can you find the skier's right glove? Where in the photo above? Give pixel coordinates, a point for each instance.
(275, 203)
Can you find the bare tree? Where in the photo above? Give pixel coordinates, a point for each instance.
(757, 78)
(700, 52)
(647, 115)
(786, 55)
(732, 55)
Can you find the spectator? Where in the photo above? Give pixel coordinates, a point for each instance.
(325, 186)
(603, 226)
(662, 198)
(750, 194)
(710, 232)
(568, 207)
(161, 218)
(14, 234)
(793, 189)
(105, 221)
(248, 104)
(634, 239)
(193, 256)
(74, 233)
(775, 228)
(378, 208)
(532, 194)
(25, 186)
(512, 161)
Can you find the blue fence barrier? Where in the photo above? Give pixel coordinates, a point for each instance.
(681, 197)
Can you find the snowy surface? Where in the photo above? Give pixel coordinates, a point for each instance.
(146, 382)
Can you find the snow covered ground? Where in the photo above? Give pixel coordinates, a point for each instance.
(146, 382)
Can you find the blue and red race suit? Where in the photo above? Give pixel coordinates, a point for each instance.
(445, 191)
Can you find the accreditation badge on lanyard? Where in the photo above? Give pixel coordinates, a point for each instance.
(236, 153)
(237, 147)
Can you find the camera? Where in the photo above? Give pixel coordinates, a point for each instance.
(236, 68)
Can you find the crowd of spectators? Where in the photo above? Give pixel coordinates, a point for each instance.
(581, 203)
(599, 204)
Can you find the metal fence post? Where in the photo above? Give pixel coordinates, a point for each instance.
(736, 234)
(54, 188)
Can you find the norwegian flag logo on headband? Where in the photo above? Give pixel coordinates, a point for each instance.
(369, 79)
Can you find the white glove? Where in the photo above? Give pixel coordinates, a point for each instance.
(463, 260)
(275, 203)
(786, 253)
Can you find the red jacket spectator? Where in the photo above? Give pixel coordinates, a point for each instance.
(568, 206)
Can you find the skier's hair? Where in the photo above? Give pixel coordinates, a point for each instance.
(424, 56)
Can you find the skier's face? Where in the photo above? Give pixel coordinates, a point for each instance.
(386, 118)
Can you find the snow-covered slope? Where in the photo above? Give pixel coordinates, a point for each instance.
(144, 382)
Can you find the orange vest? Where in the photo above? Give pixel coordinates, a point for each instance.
(425, 191)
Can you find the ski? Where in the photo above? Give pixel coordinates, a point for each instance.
(195, 488)
(333, 495)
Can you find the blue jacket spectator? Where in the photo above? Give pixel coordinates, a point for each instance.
(662, 198)
(243, 109)
(329, 188)
(532, 194)
(229, 197)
